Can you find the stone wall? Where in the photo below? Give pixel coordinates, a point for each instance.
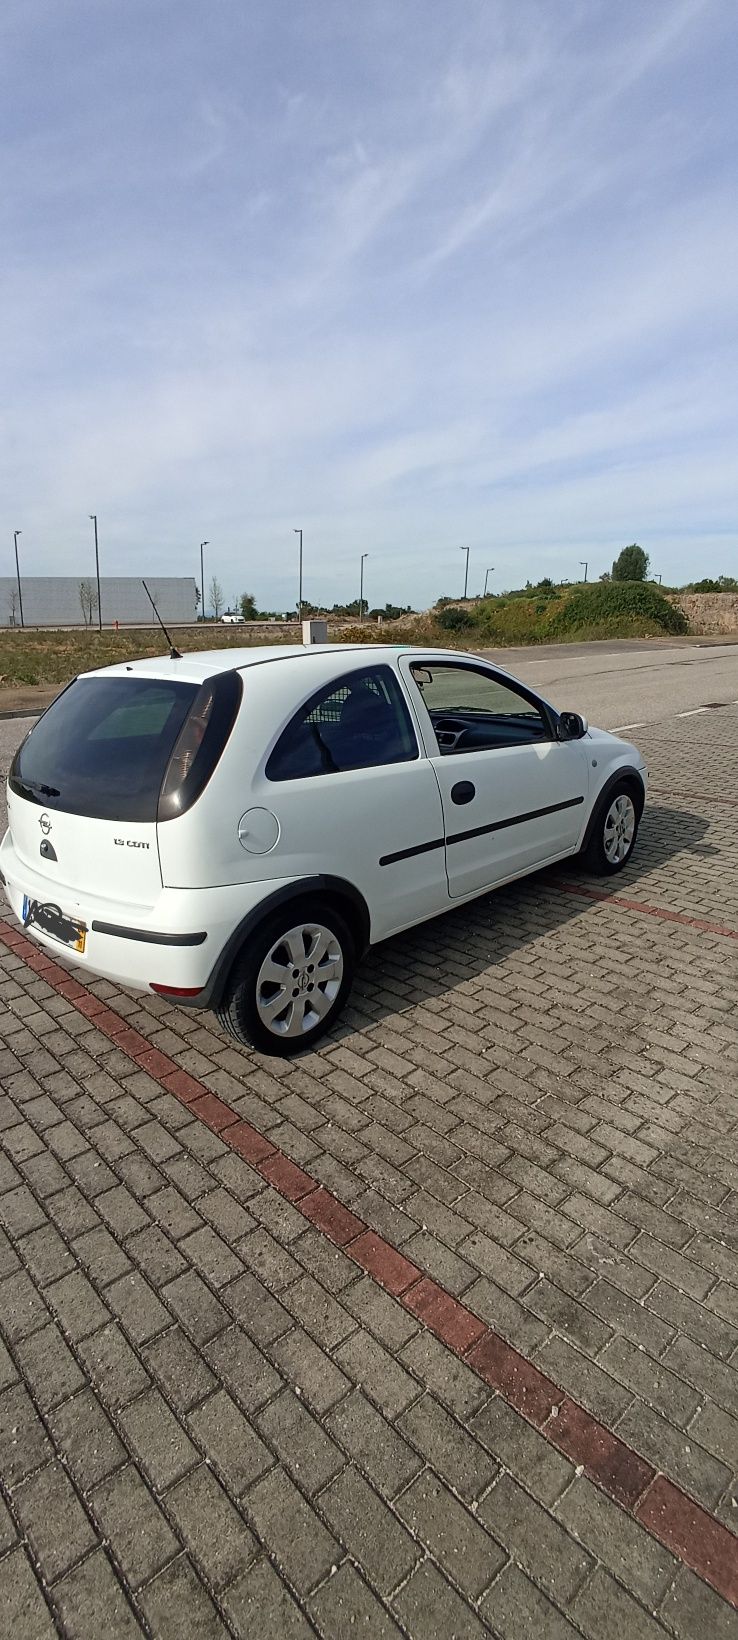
(709, 612)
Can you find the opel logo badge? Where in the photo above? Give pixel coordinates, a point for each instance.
(45, 824)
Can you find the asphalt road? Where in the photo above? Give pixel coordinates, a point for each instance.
(627, 684)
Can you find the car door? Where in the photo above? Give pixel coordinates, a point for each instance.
(349, 790)
(513, 795)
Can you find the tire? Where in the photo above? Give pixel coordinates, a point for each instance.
(613, 835)
(271, 1001)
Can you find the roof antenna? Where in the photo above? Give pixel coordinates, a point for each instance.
(174, 654)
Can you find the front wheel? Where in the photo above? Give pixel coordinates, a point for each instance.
(614, 833)
(291, 981)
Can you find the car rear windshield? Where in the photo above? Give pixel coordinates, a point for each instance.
(103, 747)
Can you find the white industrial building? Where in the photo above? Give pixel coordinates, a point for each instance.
(71, 600)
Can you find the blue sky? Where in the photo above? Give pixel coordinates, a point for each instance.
(410, 275)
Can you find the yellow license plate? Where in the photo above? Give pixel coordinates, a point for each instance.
(51, 920)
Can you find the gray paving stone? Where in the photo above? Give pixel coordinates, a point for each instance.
(77, 1306)
(306, 1451)
(388, 1460)
(242, 1367)
(259, 1603)
(306, 1366)
(366, 1363)
(133, 1524)
(291, 1531)
(85, 1438)
(212, 1530)
(157, 1439)
(461, 1461)
(516, 1610)
(604, 1611)
(91, 1601)
(427, 1605)
(607, 1532)
(453, 1383)
(519, 1447)
(536, 1541)
(137, 1307)
(22, 1310)
(112, 1366)
(693, 1611)
(460, 1546)
(24, 1444)
(369, 1530)
(345, 1605)
(49, 1367)
(229, 1442)
(176, 1603)
(58, 1530)
(179, 1369)
(25, 1613)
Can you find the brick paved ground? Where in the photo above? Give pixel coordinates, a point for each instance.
(213, 1421)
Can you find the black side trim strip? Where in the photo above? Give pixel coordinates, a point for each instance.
(145, 935)
(514, 820)
(407, 853)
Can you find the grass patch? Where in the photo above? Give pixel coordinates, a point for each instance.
(56, 656)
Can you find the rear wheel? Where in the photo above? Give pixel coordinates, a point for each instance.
(291, 980)
(614, 832)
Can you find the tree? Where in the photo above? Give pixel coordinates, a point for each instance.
(247, 606)
(88, 601)
(631, 565)
(215, 594)
(605, 576)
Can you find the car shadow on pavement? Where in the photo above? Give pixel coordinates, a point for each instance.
(435, 957)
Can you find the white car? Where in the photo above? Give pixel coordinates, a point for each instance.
(233, 829)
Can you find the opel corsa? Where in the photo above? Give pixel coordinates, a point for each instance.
(234, 829)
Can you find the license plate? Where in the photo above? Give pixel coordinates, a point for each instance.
(51, 920)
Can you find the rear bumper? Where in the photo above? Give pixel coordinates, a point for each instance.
(178, 942)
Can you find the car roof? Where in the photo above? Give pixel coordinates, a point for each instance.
(199, 664)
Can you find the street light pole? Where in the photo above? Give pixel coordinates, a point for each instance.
(93, 516)
(586, 567)
(466, 572)
(16, 533)
(658, 578)
(299, 596)
(361, 587)
(202, 575)
(487, 574)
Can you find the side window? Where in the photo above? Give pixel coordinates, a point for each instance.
(357, 722)
(473, 711)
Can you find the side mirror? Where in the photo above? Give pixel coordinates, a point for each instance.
(571, 726)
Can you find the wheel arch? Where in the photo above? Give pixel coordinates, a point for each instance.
(332, 891)
(628, 776)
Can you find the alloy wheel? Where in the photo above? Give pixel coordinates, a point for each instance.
(299, 980)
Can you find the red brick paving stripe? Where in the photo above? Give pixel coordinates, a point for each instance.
(379, 1259)
(621, 904)
(444, 1315)
(696, 1537)
(604, 1457)
(211, 1110)
(517, 1380)
(674, 1519)
(250, 1143)
(330, 1216)
(286, 1177)
(694, 797)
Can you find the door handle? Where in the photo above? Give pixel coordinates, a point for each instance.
(463, 792)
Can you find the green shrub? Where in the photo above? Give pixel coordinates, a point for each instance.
(453, 619)
(620, 608)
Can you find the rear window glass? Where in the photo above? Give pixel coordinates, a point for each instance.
(103, 747)
(359, 721)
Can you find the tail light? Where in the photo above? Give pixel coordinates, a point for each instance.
(199, 745)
